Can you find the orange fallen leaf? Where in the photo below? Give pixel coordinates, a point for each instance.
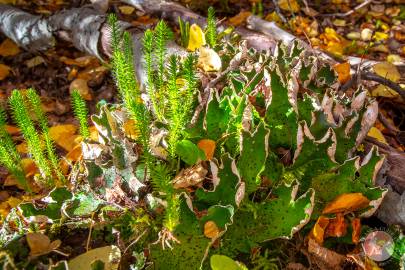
(64, 135)
(22, 148)
(40, 244)
(337, 226)
(356, 226)
(4, 71)
(289, 5)
(83, 61)
(6, 206)
(347, 202)
(211, 229)
(239, 18)
(208, 146)
(9, 48)
(12, 130)
(343, 71)
(75, 153)
(318, 231)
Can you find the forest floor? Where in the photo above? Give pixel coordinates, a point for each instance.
(371, 31)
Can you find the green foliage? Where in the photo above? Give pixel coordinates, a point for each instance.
(184, 32)
(124, 72)
(211, 30)
(35, 105)
(81, 113)
(21, 117)
(9, 156)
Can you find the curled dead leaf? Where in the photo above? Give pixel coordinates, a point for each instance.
(209, 60)
(190, 176)
(343, 71)
(347, 202)
(318, 231)
(197, 38)
(337, 226)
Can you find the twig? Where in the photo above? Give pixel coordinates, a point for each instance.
(278, 11)
(90, 230)
(134, 242)
(365, 3)
(368, 76)
(391, 128)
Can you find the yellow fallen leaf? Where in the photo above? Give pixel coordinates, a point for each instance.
(197, 38)
(126, 10)
(64, 135)
(240, 18)
(211, 229)
(208, 146)
(130, 129)
(209, 60)
(22, 148)
(4, 71)
(347, 202)
(289, 5)
(35, 61)
(81, 86)
(75, 153)
(376, 133)
(9, 48)
(109, 255)
(378, 36)
(6, 206)
(389, 71)
(40, 244)
(343, 71)
(93, 133)
(318, 231)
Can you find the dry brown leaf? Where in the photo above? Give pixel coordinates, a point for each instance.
(318, 231)
(343, 71)
(208, 146)
(81, 86)
(83, 61)
(4, 71)
(211, 229)
(40, 244)
(9, 48)
(347, 202)
(240, 18)
(209, 60)
(190, 176)
(289, 5)
(35, 61)
(356, 226)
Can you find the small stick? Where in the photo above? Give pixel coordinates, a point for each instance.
(350, 12)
